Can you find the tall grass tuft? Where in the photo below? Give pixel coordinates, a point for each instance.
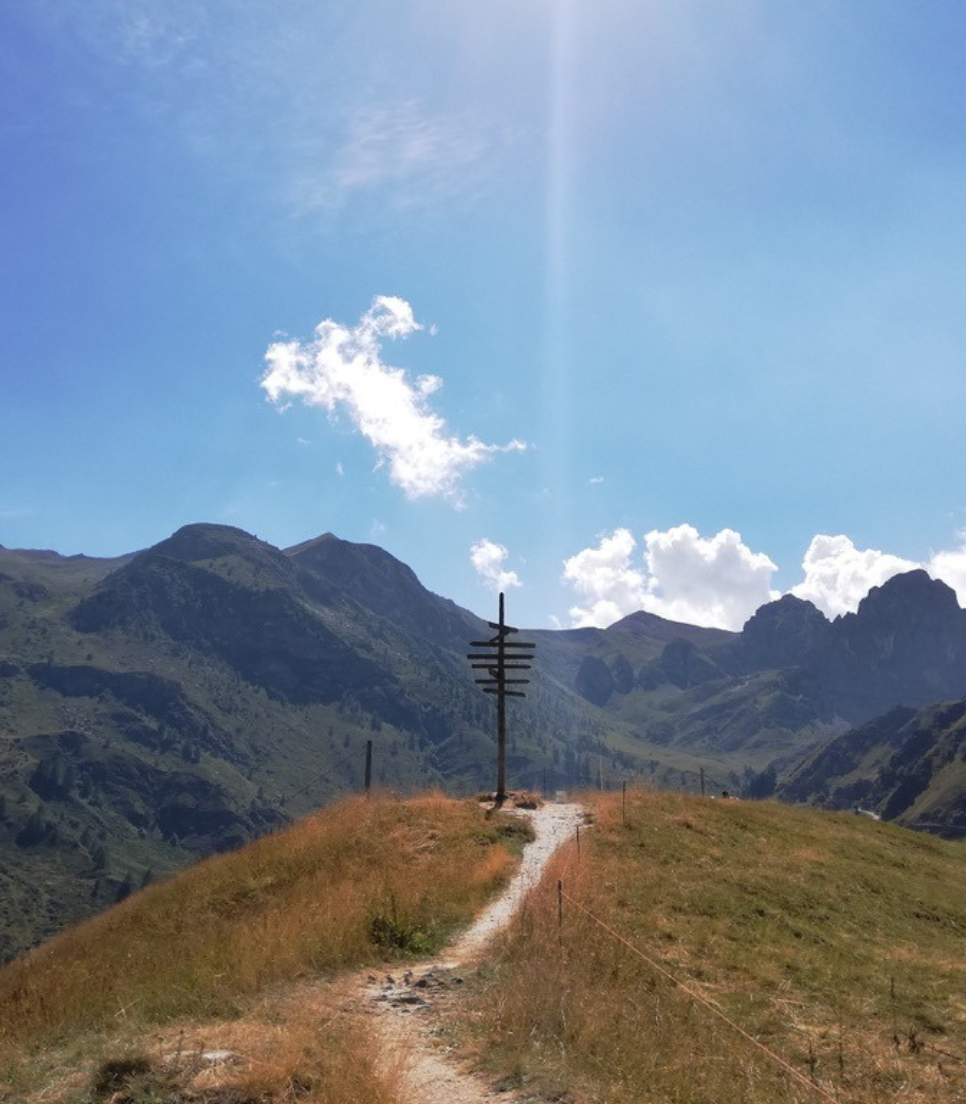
(833, 941)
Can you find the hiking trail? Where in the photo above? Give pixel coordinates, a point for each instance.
(408, 1005)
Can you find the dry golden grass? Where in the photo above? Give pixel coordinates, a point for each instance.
(197, 952)
(294, 1046)
(833, 941)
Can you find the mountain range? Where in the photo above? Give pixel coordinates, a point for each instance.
(177, 701)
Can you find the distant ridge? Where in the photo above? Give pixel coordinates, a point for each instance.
(650, 625)
(179, 700)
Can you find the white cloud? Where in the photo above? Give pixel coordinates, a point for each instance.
(342, 369)
(719, 581)
(714, 581)
(606, 581)
(838, 575)
(488, 558)
(951, 568)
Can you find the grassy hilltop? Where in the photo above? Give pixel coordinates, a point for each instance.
(696, 935)
(216, 957)
(833, 940)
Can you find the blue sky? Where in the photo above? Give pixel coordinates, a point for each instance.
(628, 304)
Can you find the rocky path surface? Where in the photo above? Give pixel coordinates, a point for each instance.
(408, 1007)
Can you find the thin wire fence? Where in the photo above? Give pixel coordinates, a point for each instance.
(772, 1056)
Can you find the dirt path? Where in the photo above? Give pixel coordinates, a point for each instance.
(408, 1007)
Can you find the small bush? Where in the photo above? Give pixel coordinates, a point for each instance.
(392, 932)
(116, 1079)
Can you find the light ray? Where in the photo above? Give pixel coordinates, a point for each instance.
(556, 384)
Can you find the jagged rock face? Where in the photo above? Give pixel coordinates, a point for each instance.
(198, 686)
(784, 633)
(905, 645)
(914, 596)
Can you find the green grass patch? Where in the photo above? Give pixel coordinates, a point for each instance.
(833, 940)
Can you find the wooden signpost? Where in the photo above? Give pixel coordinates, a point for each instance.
(501, 656)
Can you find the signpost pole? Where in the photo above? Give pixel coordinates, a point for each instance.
(501, 656)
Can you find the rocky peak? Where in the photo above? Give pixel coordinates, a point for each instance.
(910, 610)
(906, 644)
(911, 598)
(783, 633)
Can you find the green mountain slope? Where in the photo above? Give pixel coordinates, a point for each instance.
(907, 765)
(181, 700)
